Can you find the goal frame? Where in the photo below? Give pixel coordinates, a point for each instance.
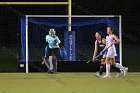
(69, 29)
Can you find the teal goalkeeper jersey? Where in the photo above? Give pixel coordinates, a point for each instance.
(53, 41)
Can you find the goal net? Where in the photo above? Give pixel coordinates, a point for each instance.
(78, 43)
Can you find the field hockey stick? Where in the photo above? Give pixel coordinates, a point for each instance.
(93, 60)
(96, 58)
(44, 61)
(100, 54)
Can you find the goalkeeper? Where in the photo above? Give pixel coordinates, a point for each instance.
(52, 51)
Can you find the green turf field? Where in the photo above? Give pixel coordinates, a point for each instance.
(67, 83)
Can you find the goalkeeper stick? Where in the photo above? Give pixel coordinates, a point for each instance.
(46, 63)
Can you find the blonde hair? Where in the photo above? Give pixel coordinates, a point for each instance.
(53, 30)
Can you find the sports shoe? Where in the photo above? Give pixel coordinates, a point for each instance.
(120, 74)
(55, 71)
(50, 71)
(98, 75)
(106, 76)
(125, 70)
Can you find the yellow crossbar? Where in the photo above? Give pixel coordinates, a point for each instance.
(34, 3)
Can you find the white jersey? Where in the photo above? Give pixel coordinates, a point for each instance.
(111, 50)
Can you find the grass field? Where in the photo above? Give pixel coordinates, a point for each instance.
(68, 83)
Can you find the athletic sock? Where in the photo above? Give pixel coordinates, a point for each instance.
(119, 66)
(50, 61)
(115, 68)
(102, 67)
(107, 69)
(54, 64)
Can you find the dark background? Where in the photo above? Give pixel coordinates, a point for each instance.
(10, 36)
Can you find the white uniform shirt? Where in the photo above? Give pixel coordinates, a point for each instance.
(111, 49)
